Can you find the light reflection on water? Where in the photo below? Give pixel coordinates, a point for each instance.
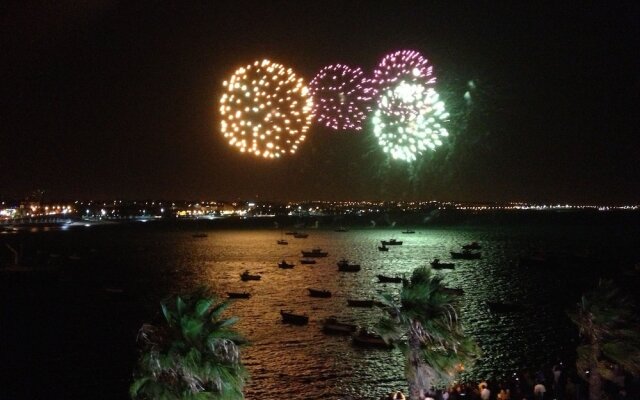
(300, 362)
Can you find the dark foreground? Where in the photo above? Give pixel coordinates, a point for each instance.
(50, 325)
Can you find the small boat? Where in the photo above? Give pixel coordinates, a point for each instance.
(316, 252)
(360, 303)
(345, 266)
(453, 291)
(282, 241)
(465, 255)
(389, 279)
(285, 265)
(472, 246)
(409, 231)
(436, 264)
(499, 307)
(535, 261)
(300, 235)
(296, 319)
(199, 235)
(238, 295)
(383, 248)
(341, 229)
(391, 242)
(307, 261)
(246, 276)
(368, 339)
(319, 293)
(331, 325)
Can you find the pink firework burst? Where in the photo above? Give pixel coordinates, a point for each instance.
(341, 97)
(404, 65)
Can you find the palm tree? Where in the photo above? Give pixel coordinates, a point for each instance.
(610, 332)
(426, 326)
(194, 354)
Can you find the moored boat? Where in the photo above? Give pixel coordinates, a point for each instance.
(436, 264)
(246, 276)
(360, 303)
(368, 339)
(472, 246)
(389, 279)
(332, 325)
(454, 291)
(345, 266)
(409, 231)
(300, 235)
(282, 242)
(466, 255)
(315, 252)
(291, 318)
(318, 293)
(285, 265)
(238, 295)
(500, 307)
(391, 242)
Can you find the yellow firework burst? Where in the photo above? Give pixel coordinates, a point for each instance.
(265, 110)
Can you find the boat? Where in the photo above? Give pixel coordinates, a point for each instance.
(368, 339)
(331, 325)
(296, 319)
(238, 295)
(300, 235)
(319, 293)
(383, 248)
(465, 255)
(472, 246)
(307, 261)
(436, 264)
(409, 231)
(499, 307)
(391, 242)
(316, 252)
(246, 276)
(285, 265)
(341, 229)
(345, 266)
(453, 291)
(282, 241)
(389, 279)
(199, 235)
(360, 303)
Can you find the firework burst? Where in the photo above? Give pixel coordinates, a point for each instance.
(266, 110)
(342, 97)
(421, 127)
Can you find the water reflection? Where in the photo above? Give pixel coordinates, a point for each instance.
(286, 360)
(300, 362)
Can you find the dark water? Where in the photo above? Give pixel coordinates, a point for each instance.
(148, 262)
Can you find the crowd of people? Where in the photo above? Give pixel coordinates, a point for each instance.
(553, 383)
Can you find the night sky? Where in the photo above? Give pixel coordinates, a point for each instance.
(119, 100)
